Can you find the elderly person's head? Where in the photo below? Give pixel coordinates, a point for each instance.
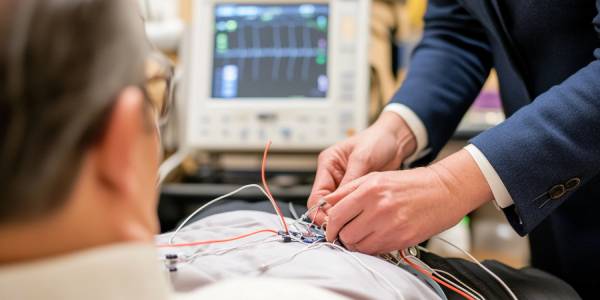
(79, 144)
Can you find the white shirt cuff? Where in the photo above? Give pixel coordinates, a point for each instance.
(416, 126)
(501, 195)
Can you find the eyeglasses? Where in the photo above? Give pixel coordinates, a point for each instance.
(158, 87)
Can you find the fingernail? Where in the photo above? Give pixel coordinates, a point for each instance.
(322, 202)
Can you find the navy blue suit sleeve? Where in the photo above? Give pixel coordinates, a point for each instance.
(447, 71)
(547, 143)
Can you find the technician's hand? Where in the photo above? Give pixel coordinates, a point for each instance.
(381, 147)
(393, 210)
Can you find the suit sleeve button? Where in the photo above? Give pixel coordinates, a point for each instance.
(572, 183)
(557, 191)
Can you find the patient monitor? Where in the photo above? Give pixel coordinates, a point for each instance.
(293, 72)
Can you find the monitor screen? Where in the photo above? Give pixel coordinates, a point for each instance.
(270, 51)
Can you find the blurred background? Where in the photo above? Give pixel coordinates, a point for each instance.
(305, 76)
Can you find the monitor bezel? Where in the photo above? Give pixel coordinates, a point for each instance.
(196, 100)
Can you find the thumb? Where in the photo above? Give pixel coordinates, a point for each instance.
(356, 169)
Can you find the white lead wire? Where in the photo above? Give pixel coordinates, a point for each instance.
(458, 284)
(211, 202)
(502, 283)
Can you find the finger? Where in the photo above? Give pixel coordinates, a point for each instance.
(329, 174)
(372, 245)
(318, 215)
(343, 212)
(356, 168)
(345, 190)
(354, 246)
(356, 230)
(323, 216)
(324, 185)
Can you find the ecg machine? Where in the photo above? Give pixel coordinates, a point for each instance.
(293, 72)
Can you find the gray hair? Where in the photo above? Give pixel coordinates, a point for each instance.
(62, 63)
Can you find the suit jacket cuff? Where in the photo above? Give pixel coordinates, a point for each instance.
(416, 126)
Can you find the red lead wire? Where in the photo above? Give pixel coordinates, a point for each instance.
(266, 186)
(218, 241)
(428, 274)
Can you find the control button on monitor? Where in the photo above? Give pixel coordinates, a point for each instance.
(346, 118)
(244, 134)
(225, 133)
(266, 117)
(321, 132)
(322, 119)
(301, 137)
(348, 76)
(347, 86)
(262, 134)
(303, 119)
(347, 97)
(286, 133)
(204, 132)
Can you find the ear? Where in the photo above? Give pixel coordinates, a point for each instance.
(115, 152)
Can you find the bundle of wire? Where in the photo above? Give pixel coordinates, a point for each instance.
(437, 279)
(444, 278)
(264, 189)
(448, 280)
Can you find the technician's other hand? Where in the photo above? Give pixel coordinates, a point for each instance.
(381, 147)
(393, 210)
